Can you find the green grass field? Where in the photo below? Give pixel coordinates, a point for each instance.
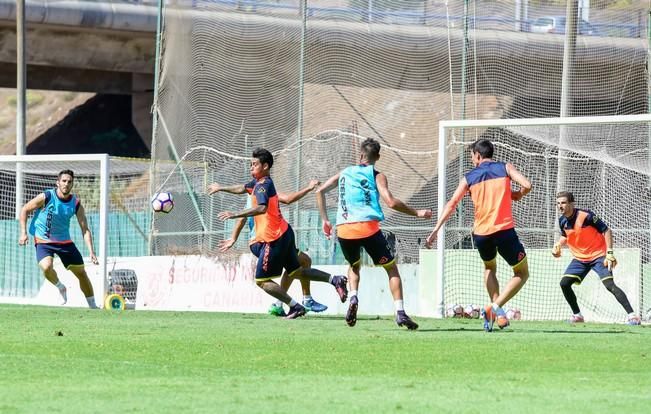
(64, 360)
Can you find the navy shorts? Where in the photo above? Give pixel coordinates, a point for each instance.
(580, 270)
(375, 245)
(504, 242)
(68, 253)
(276, 255)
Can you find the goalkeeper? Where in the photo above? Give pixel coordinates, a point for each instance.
(591, 243)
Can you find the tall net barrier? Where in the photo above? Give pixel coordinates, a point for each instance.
(308, 79)
(128, 213)
(606, 165)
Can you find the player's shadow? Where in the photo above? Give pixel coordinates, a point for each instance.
(582, 331)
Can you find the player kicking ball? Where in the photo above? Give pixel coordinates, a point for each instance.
(591, 243)
(304, 260)
(274, 245)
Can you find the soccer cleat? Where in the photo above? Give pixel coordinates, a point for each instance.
(634, 320)
(502, 321)
(576, 319)
(489, 318)
(276, 310)
(403, 320)
(339, 282)
(64, 294)
(314, 306)
(351, 314)
(296, 311)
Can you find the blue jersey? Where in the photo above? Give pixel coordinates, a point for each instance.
(249, 220)
(359, 199)
(51, 223)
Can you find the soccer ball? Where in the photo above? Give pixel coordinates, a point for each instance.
(162, 202)
(454, 311)
(471, 312)
(514, 314)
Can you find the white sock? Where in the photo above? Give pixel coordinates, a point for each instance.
(292, 303)
(497, 309)
(278, 303)
(631, 315)
(352, 293)
(330, 279)
(62, 291)
(307, 297)
(91, 302)
(399, 305)
(578, 314)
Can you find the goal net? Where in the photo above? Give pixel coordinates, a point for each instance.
(232, 80)
(603, 161)
(115, 195)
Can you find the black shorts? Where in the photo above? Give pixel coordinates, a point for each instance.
(276, 255)
(579, 270)
(67, 252)
(376, 246)
(506, 242)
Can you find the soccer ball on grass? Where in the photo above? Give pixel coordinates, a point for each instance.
(454, 311)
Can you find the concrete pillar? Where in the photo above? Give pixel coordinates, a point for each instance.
(142, 98)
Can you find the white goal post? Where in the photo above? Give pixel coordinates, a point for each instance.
(604, 160)
(95, 165)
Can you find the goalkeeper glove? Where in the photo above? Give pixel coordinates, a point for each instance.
(556, 250)
(610, 262)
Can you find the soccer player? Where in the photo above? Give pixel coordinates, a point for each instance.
(591, 243)
(489, 185)
(358, 224)
(50, 228)
(304, 260)
(274, 244)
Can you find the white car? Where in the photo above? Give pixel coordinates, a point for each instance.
(556, 24)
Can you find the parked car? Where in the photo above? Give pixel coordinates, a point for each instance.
(556, 24)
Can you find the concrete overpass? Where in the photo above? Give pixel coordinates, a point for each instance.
(110, 48)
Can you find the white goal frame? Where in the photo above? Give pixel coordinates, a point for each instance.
(104, 176)
(444, 126)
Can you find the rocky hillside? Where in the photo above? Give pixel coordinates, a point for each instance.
(44, 110)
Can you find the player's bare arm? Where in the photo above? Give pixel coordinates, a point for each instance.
(249, 212)
(610, 261)
(31, 205)
(233, 189)
(321, 203)
(228, 243)
(521, 180)
(449, 208)
(297, 195)
(85, 230)
(395, 203)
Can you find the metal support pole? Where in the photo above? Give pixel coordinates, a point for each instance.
(21, 107)
(154, 132)
(569, 54)
(464, 76)
(301, 98)
(439, 295)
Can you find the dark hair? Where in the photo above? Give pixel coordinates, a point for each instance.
(566, 194)
(370, 148)
(66, 172)
(482, 147)
(264, 156)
